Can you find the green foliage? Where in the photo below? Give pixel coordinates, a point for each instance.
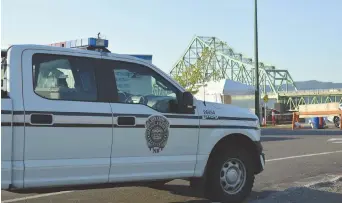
(194, 74)
(189, 78)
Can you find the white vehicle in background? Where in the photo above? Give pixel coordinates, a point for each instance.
(83, 117)
(335, 119)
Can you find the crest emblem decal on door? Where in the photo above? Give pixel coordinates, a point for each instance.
(157, 132)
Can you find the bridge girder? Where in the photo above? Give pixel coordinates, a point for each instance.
(220, 61)
(293, 100)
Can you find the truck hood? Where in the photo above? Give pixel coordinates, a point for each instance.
(223, 110)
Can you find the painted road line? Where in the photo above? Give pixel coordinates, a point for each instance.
(324, 180)
(35, 196)
(334, 139)
(304, 155)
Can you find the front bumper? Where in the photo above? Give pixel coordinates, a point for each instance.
(260, 159)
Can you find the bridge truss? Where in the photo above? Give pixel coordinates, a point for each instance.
(293, 99)
(213, 59)
(220, 61)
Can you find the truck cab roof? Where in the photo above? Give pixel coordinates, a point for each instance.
(72, 50)
(106, 55)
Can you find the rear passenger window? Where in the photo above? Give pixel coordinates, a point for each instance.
(64, 77)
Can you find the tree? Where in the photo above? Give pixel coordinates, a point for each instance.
(190, 78)
(196, 74)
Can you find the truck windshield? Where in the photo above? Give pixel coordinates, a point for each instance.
(3, 70)
(3, 73)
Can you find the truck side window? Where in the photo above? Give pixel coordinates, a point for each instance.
(64, 77)
(138, 84)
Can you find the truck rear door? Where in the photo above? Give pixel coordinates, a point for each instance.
(68, 132)
(12, 120)
(6, 143)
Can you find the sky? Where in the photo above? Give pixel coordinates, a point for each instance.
(303, 36)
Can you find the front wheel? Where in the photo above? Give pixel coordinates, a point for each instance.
(231, 176)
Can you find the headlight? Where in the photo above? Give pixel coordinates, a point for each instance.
(257, 123)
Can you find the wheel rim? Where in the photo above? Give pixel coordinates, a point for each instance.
(233, 176)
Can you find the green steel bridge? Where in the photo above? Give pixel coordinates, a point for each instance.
(216, 60)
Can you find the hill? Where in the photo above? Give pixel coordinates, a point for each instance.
(312, 85)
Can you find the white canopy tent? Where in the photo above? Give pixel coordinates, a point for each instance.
(213, 91)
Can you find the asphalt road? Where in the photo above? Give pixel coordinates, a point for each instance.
(291, 159)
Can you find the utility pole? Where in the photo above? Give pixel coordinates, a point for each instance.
(257, 95)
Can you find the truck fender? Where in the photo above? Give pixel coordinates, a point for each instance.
(208, 144)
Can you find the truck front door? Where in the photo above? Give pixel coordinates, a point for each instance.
(152, 140)
(68, 130)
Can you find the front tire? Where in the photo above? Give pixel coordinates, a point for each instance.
(230, 176)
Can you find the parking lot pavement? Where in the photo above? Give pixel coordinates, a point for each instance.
(328, 189)
(307, 131)
(290, 159)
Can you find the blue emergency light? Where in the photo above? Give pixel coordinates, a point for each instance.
(88, 42)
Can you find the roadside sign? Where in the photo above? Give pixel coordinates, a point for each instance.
(265, 98)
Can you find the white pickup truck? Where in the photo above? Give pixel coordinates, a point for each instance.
(73, 117)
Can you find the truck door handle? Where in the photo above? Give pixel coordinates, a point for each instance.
(41, 119)
(126, 121)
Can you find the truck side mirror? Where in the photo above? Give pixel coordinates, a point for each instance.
(187, 103)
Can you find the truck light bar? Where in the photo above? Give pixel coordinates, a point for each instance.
(95, 44)
(82, 43)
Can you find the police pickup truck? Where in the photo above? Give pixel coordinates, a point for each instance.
(78, 117)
